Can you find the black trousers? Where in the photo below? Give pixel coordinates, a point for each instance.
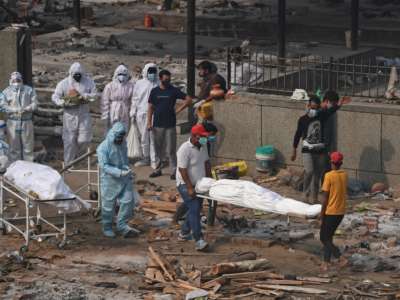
(328, 227)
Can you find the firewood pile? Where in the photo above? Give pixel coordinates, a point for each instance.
(225, 280)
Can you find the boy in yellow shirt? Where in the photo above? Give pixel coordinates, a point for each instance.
(333, 207)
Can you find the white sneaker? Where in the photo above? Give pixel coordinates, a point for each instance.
(201, 245)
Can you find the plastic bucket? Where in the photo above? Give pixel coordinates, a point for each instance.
(265, 157)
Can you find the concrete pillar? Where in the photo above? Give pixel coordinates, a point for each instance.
(355, 8)
(282, 28)
(77, 13)
(191, 52)
(16, 55)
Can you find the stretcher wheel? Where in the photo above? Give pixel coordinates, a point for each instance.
(96, 213)
(93, 195)
(23, 249)
(38, 228)
(61, 245)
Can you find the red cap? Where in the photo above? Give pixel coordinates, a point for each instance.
(336, 157)
(199, 129)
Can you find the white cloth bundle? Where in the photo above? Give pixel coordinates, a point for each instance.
(44, 183)
(248, 194)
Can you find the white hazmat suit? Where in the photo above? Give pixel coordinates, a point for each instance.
(117, 98)
(19, 103)
(140, 104)
(77, 123)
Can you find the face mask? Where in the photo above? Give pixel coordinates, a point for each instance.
(312, 113)
(16, 85)
(203, 141)
(122, 78)
(77, 77)
(166, 83)
(152, 77)
(119, 139)
(212, 138)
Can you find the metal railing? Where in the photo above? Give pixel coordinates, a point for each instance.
(258, 71)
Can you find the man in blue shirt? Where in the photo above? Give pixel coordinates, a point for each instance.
(161, 120)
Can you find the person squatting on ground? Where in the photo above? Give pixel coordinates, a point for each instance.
(193, 165)
(138, 114)
(117, 98)
(74, 94)
(18, 102)
(161, 120)
(310, 129)
(333, 207)
(116, 180)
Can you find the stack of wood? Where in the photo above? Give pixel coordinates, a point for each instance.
(227, 280)
(163, 208)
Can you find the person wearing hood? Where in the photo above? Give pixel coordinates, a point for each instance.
(116, 179)
(74, 94)
(19, 102)
(138, 113)
(117, 97)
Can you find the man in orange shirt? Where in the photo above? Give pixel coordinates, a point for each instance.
(333, 207)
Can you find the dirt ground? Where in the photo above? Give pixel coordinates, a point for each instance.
(91, 266)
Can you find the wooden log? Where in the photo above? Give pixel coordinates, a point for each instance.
(288, 288)
(159, 205)
(240, 266)
(192, 254)
(161, 214)
(159, 261)
(271, 281)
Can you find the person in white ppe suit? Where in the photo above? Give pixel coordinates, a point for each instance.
(4, 148)
(74, 94)
(117, 98)
(140, 104)
(19, 101)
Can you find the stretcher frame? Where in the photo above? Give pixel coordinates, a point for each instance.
(91, 182)
(31, 204)
(213, 208)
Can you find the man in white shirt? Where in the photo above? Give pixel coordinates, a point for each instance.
(193, 163)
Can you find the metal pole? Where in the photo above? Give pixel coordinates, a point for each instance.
(77, 13)
(191, 55)
(355, 8)
(228, 67)
(281, 28)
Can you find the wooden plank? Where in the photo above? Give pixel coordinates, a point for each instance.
(314, 279)
(258, 275)
(158, 260)
(274, 294)
(295, 289)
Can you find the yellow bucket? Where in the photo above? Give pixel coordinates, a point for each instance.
(241, 165)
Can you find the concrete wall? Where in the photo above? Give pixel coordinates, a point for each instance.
(367, 134)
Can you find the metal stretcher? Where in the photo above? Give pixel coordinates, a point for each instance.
(31, 228)
(92, 185)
